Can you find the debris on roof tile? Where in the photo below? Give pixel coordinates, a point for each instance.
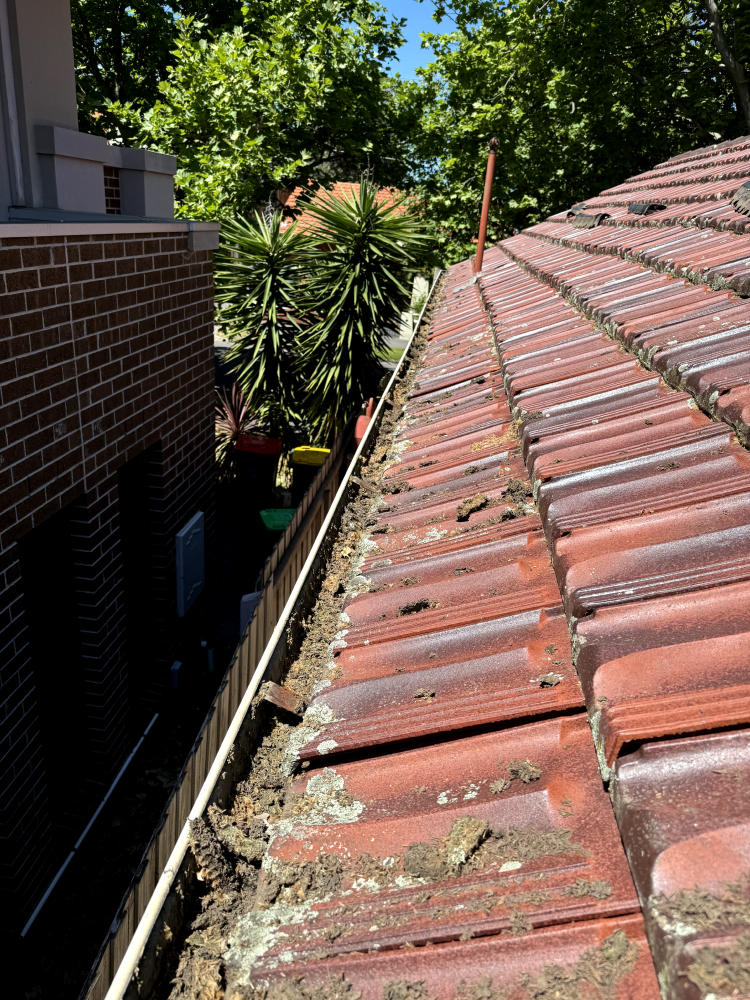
(641, 487)
(601, 958)
(514, 832)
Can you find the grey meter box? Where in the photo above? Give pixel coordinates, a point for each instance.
(191, 576)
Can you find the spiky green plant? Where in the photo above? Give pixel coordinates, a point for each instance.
(259, 276)
(367, 255)
(232, 420)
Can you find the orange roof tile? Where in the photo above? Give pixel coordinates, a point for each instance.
(340, 189)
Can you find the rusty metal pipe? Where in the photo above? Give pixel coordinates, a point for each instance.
(488, 178)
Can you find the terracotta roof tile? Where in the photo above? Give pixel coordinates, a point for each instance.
(343, 190)
(642, 492)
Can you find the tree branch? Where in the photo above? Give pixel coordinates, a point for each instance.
(735, 70)
(681, 107)
(117, 54)
(84, 40)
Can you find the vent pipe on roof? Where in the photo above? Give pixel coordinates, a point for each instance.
(488, 178)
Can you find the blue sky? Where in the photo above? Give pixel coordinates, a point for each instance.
(418, 18)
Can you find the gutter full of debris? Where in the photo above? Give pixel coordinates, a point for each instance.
(145, 956)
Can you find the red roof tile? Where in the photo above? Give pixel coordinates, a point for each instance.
(294, 201)
(488, 834)
(684, 812)
(542, 959)
(642, 498)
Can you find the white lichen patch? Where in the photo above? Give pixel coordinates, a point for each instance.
(400, 446)
(327, 803)
(357, 585)
(409, 881)
(313, 721)
(510, 866)
(326, 746)
(471, 792)
(322, 790)
(301, 736)
(322, 684)
(365, 885)
(443, 798)
(257, 933)
(676, 927)
(594, 722)
(433, 535)
(338, 641)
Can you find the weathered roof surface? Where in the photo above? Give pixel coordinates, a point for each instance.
(624, 352)
(684, 810)
(431, 849)
(454, 811)
(562, 547)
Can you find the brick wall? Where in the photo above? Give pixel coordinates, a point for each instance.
(106, 349)
(112, 199)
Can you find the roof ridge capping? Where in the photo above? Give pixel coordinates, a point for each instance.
(701, 151)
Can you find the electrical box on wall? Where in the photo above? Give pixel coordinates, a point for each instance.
(191, 574)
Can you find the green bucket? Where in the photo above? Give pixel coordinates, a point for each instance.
(277, 519)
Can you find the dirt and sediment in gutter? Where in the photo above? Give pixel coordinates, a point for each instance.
(230, 847)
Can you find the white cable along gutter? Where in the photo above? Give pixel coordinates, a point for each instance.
(90, 823)
(129, 964)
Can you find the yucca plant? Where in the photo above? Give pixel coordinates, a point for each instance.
(259, 276)
(368, 253)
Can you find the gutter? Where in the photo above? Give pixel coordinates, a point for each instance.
(131, 959)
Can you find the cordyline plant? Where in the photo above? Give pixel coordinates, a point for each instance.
(259, 279)
(367, 255)
(233, 418)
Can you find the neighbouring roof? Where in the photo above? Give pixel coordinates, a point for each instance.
(293, 201)
(553, 592)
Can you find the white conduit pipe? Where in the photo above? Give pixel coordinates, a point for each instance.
(90, 823)
(132, 956)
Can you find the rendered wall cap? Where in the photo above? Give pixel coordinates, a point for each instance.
(55, 141)
(203, 236)
(141, 159)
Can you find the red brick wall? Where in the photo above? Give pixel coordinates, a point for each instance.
(106, 348)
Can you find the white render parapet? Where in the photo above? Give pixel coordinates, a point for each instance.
(49, 170)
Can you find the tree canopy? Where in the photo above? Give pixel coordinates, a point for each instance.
(257, 96)
(122, 50)
(580, 94)
(298, 94)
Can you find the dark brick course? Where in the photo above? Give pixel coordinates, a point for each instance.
(106, 349)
